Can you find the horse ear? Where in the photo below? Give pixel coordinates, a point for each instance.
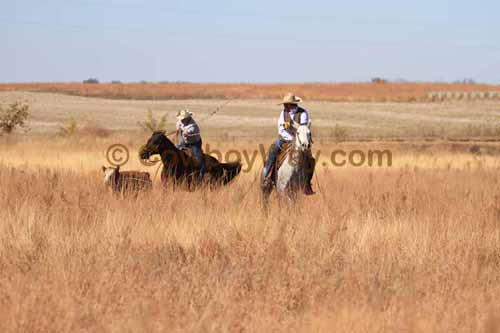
(118, 168)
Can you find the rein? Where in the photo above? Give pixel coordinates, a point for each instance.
(157, 170)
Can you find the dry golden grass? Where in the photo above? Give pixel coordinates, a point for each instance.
(338, 92)
(415, 247)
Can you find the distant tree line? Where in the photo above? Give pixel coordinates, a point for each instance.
(91, 81)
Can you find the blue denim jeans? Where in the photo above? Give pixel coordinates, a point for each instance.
(273, 155)
(197, 150)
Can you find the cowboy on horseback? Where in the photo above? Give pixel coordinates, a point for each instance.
(290, 118)
(189, 135)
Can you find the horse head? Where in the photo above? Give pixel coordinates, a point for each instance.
(156, 144)
(303, 140)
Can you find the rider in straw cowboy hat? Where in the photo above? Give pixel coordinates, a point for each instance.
(189, 136)
(291, 114)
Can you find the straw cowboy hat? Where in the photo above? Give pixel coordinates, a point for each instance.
(291, 99)
(184, 114)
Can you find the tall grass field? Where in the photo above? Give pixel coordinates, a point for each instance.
(409, 248)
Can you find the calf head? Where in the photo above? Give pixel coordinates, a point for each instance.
(110, 175)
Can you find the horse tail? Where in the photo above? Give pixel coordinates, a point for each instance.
(231, 170)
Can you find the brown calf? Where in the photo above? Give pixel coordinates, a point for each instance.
(126, 181)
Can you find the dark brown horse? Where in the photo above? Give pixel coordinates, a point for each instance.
(180, 168)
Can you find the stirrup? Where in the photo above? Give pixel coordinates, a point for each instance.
(267, 181)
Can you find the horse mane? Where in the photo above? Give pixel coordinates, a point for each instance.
(169, 144)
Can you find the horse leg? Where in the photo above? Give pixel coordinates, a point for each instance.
(264, 200)
(310, 164)
(291, 194)
(164, 179)
(265, 192)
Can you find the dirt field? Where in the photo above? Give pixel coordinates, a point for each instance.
(414, 246)
(256, 118)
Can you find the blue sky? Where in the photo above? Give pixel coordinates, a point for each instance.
(258, 41)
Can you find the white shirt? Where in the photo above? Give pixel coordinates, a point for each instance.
(289, 134)
(190, 132)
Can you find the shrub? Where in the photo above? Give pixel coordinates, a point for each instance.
(151, 124)
(340, 133)
(68, 129)
(14, 116)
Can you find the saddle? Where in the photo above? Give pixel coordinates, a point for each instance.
(285, 150)
(280, 159)
(189, 152)
(210, 161)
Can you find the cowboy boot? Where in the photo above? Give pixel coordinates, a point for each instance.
(268, 172)
(267, 177)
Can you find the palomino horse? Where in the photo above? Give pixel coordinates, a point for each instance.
(180, 168)
(291, 174)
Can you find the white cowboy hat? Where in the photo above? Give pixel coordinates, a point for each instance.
(291, 99)
(184, 114)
